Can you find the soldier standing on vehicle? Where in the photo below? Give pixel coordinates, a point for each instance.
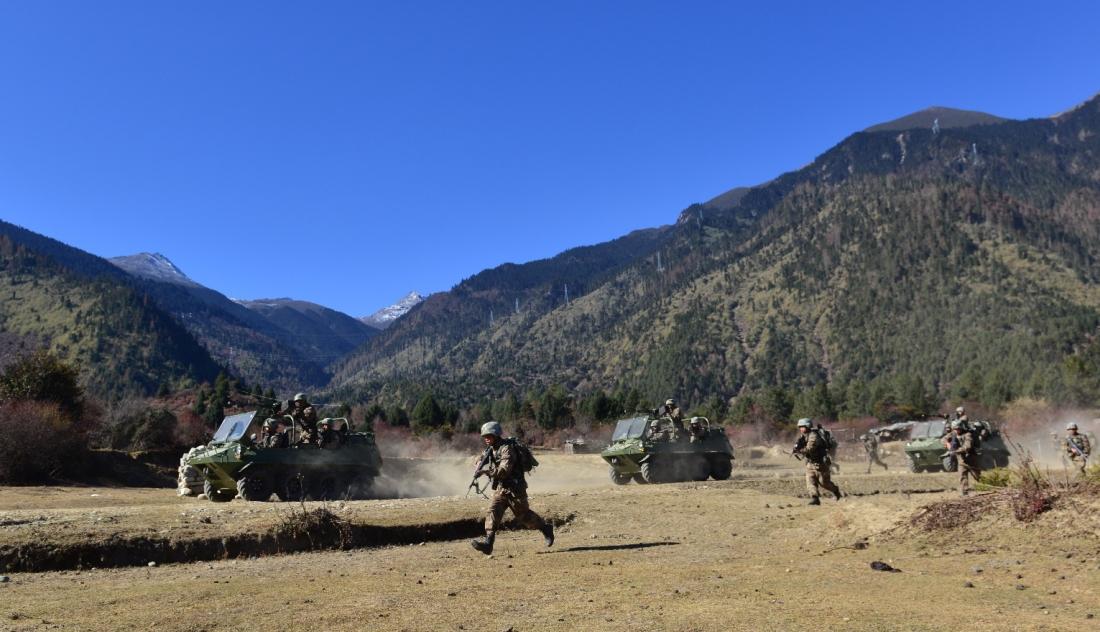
(506, 474)
(812, 445)
(672, 411)
(1077, 447)
(966, 455)
(870, 444)
(305, 416)
(698, 432)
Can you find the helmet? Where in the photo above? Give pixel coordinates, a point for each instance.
(300, 397)
(670, 402)
(1071, 426)
(696, 421)
(956, 424)
(960, 410)
(805, 422)
(492, 428)
(269, 423)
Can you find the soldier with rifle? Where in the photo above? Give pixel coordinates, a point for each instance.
(813, 445)
(502, 462)
(1077, 447)
(963, 447)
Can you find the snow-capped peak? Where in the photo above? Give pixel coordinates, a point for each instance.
(152, 265)
(384, 317)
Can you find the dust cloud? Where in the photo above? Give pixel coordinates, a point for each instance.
(413, 470)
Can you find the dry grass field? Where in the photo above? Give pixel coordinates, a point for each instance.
(744, 554)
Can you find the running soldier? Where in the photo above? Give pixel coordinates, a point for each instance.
(509, 488)
(870, 444)
(812, 445)
(1077, 448)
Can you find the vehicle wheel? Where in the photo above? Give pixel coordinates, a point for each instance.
(721, 468)
(1002, 461)
(700, 469)
(912, 466)
(215, 495)
(949, 464)
(638, 479)
(360, 487)
(326, 488)
(618, 479)
(255, 487)
(292, 488)
(651, 472)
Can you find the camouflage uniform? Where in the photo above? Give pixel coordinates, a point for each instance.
(870, 444)
(966, 454)
(818, 466)
(277, 439)
(509, 491)
(306, 418)
(1081, 442)
(328, 438)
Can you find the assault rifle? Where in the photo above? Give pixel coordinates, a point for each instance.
(1076, 450)
(479, 471)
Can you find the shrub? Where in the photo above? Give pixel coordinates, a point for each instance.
(38, 442)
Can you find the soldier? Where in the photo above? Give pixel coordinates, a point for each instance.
(328, 438)
(870, 444)
(812, 446)
(966, 455)
(305, 416)
(672, 411)
(698, 432)
(509, 489)
(280, 438)
(960, 416)
(1077, 447)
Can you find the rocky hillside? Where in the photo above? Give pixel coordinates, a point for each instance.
(386, 316)
(967, 257)
(321, 334)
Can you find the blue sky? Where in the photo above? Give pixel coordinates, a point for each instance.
(346, 153)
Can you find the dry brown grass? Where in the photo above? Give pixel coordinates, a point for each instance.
(712, 556)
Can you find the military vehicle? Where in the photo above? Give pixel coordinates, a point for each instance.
(650, 449)
(925, 451)
(234, 464)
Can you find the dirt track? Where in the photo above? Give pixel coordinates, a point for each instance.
(743, 554)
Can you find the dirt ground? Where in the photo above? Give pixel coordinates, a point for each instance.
(740, 554)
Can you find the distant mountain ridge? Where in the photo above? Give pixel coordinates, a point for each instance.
(948, 118)
(385, 317)
(969, 257)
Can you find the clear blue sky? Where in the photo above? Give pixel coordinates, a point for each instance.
(346, 153)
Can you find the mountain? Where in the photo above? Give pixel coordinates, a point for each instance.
(384, 317)
(967, 258)
(86, 311)
(948, 118)
(153, 265)
(324, 335)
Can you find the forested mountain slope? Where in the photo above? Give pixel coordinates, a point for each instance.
(966, 257)
(122, 344)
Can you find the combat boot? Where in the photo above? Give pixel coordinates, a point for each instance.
(814, 501)
(484, 545)
(548, 533)
(837, 494)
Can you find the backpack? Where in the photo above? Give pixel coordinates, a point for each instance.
(525, 460)
(831, 444)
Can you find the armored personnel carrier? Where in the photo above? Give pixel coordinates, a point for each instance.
(925, 451)
(650, 449)
(234, 464)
